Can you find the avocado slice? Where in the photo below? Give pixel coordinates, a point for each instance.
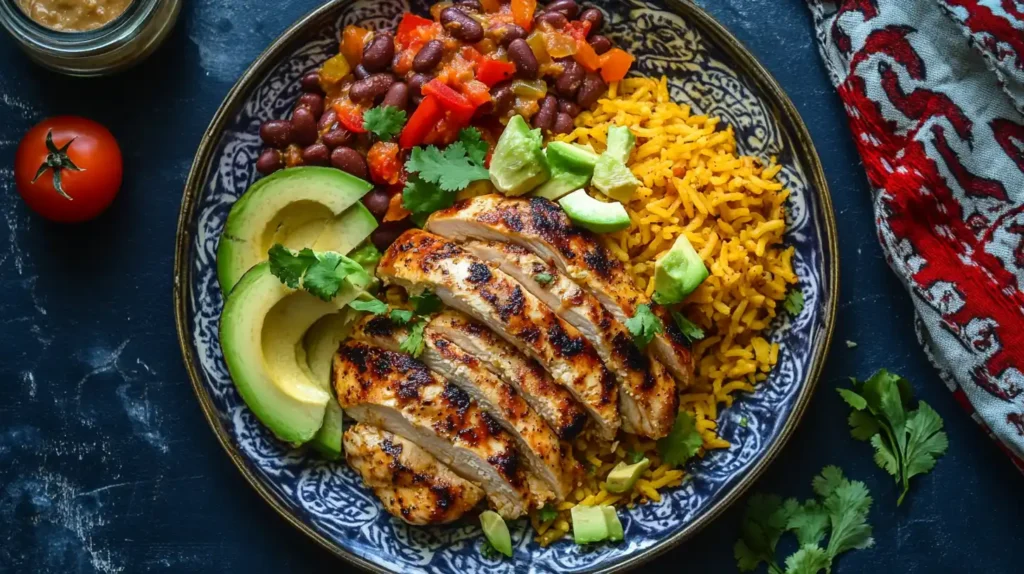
(588, 524)
(615, 531)
(624, 476)
(518, 164)
(597, 216)
(321, 343)
(614, 179)
(571, 169)
(621, 142)
(678, 272)
(295, 200)
(496, 532)
(261, 331)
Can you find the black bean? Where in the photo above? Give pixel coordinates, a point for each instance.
(377, 201)
(315, 103)
(503, 97)
(601, 44)
(508, 32)
(327, 120)
(563, 123)
(571, 79)
(304, 130)
(569, 107)
(276, 133)
(269, 162)
(311, 83)
(568, 7)
(378, 53)
(461, 26)
(545, 118)
(348, 159)
(360, 72)
(595, 17)
(339, 136)
(522, 56)
(416, 83)
(429, 56)
(316, 154)
(371, 88)
(592, 89)
(556, 20)
(387, 232)
(397, 96)
(469, 6)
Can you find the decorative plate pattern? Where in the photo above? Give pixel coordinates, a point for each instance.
(707, 69)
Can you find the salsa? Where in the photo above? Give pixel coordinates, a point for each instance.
(73, 15)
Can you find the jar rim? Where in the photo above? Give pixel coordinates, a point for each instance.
(105, 38)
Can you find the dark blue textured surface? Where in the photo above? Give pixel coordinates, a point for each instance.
(106, 463)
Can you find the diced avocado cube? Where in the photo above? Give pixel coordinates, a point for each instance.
(678, 272)
(518, 164)
(588, 524)
(597, 216)
(621, 142)
(624, 476)
(496, 532)
(614, 179)
(571, 169)
(615, 531)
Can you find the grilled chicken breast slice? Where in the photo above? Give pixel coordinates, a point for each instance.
(648, 400)
(542, 453)
(410, 483)
(542, 227)
(395, 392)
(419, 260)
(553, 403)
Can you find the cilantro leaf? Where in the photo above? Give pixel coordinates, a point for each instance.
(544, 278)
(828, 481)
(289, 266)
(422, 197)
(848, 508)
(426, 303)
(548, 513)
(925, 443)
(863, 425)
(644, 325)
(853, 399)
(375, 306)
(809, 522)
(885, 457)
(452, 169)
(400, 316)
(324, 278)
(476, 147)
(689, 329)
(682, 442)
(413, 343)
(763, 525)
(384, 121)
(794, 302)
(809, 559)
(634, 456)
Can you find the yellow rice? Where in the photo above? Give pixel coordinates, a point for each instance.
(731, 209)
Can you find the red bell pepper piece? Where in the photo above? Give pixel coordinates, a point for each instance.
(448, 98)
(421, 123)
(406, 32)
(491, 71)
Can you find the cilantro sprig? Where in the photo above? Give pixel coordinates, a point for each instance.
(794, 302)
(644, 325)
(688, 328)
(839, 513)
(682, 442)
(907, 443)
(436, 175)
(413, 343)
(384, 121)
(426, 303)
(320, 273)
(548, 513)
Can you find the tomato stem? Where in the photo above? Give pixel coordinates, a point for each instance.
(57, 160)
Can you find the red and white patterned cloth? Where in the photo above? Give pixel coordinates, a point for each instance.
(934, 90)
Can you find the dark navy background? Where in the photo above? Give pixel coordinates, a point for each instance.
(106, 461)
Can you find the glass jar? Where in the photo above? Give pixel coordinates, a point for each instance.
(125, 41)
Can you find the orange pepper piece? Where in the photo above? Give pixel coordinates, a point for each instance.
(396, 211)
(522, 13)
(615, 64)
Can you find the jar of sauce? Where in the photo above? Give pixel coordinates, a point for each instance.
(89, 37)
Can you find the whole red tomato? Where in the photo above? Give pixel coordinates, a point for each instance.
(68, 168)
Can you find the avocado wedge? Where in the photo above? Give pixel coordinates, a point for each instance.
(290, 207)
(597, 216)
(321, 343)
(261, 333)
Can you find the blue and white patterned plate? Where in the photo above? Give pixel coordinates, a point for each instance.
(708, 69)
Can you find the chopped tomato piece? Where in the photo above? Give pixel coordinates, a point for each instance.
(410, 29)
(448, 98)
(522, 13)
(578, 29)
(615, 64)
(353, 39)
(421, 123)
(350, 115)
(471, 54)
(477, 92)
(383, 162)
(396, 210)
(491, 71)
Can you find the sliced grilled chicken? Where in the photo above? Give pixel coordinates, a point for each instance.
(395, 392)
(542, 227)
(420, 260)
(410, 482)
(648, 400)
(552, 402)
(538, 444)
